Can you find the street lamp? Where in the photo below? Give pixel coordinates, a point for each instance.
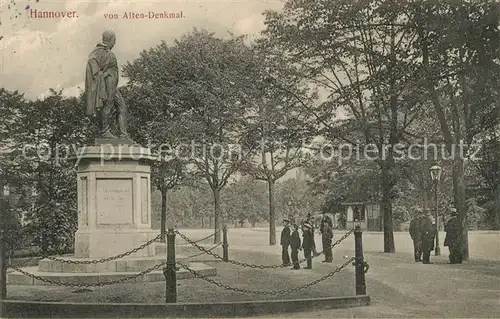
(357, 223)
(436, 176)
(6, 191)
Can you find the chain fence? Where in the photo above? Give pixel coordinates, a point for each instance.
(265, 292)
(162, 264)
(202, 252)
(88, 262)
(243, 264)
(204, 238)
(103, 260)
(32, 256)
(97, 284)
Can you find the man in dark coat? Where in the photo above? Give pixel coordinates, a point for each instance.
(295, 243)
(326, 239)
(416, 235)
(285, 242)
(101, 93)
(327, 236)
(310, 220)
(325, 220)
(452, 229)
(428, 233)
(308, 243)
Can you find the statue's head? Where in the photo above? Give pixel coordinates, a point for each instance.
(109, 38)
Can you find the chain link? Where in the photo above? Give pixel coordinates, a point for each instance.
(31, 257)
(261, 292)
(202, 252)
(204, 238)
(99, 284)
(341, 239)
(243, 264)
(87, 262)
(197, 275)
(103, 260)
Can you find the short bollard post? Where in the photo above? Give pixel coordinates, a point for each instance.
(225, 245)
(359, 262)
(169, 271)
(3, 275)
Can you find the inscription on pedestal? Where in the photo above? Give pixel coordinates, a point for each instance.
(114, 202)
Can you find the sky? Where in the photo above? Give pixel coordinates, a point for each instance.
(38, 54)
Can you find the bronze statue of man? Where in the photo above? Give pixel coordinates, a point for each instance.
(101, 93)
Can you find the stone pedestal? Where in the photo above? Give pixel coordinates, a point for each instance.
(114, 217)
(114, 201)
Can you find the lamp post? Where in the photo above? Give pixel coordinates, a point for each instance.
(290, 210)
(436, 176)
(359, 263)
(357, 223)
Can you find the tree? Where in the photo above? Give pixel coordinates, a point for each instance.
(357, 52)
(152, 124)
(352, 181)
(207, 83)
(459, 45)
(10, 104)
(47, 133)
(282, 126)
(245, 200)
(296, 199)
(190, 205)
(487, 187)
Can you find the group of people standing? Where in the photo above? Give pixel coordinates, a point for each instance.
(423, 233)
(290, 238)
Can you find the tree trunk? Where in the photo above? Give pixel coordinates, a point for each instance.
(459, 199)
(496, 180)
(272, 214)
(450, 139)
(163, 216)
(497, 208)
(387, 209)
(202, 222)
(218, 217)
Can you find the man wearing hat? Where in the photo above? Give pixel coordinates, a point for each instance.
(285, 242)
(325, 220)
(295, 244)
(310, 220)
(452, 229)
(307, 243)
(428, 233)
(326, 229)
(415, 233)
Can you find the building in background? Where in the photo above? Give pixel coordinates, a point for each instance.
(367, 215)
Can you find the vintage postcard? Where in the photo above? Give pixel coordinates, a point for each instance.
(249, 158)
